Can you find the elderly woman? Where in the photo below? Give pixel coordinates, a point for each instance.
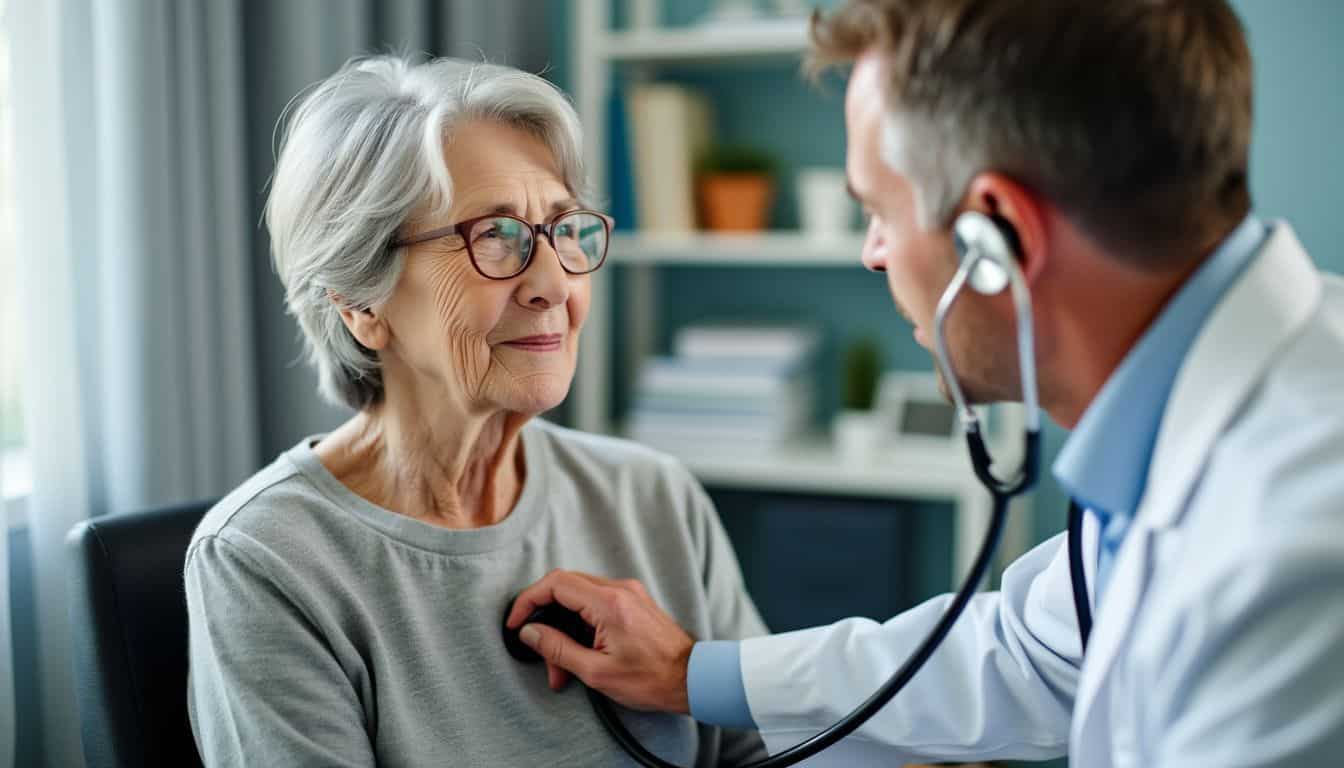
(429, 225)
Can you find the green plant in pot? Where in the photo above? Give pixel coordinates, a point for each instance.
(863, 368)
(857, 430)
(736, 187)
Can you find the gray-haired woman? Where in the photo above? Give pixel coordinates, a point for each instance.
(429, 225)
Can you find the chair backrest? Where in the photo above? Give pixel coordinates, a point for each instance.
(129, 620)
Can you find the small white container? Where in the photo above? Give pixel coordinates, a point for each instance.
(857, 436)
(825, 209)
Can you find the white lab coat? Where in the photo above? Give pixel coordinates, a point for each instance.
(1220, 638)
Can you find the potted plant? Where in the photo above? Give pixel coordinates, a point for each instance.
(856, 429)
(736, 185)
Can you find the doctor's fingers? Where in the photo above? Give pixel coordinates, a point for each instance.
(560, 653)
(556, 677)
(579, 592)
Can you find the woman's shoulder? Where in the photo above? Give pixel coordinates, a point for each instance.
(274, 511)
(629, 482)
(612, 456)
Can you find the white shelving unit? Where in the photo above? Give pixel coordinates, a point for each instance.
(774, 38)
(773, 249)
(810, 465)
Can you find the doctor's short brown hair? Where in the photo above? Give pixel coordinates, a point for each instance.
(1131, 116)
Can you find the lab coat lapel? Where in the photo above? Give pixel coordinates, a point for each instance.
(1264, 310)
(1114, 618)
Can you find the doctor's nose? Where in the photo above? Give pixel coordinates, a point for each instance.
(874, 249)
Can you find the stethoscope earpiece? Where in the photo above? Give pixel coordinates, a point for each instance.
(989, 252)
(990, 243)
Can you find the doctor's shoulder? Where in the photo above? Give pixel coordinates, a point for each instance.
(1281, 460)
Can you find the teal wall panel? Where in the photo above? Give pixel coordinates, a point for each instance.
(1297, 161)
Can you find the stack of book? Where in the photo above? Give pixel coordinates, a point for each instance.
(727, 389)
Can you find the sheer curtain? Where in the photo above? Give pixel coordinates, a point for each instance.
(133, 240)
(8, 316)
(159, 356)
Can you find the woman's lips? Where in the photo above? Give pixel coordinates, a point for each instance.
(545, 343)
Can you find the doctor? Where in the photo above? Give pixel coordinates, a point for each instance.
(1194, 350)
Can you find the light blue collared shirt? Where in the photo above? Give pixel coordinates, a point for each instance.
(1103, 465)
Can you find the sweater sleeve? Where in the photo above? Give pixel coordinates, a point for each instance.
(264, 687)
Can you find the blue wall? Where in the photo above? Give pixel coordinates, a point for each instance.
(1297, 160)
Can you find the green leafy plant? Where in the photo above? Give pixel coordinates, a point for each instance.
(734, 158)
(863, 368)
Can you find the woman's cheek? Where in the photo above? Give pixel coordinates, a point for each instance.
(579, 300)
(464, 321)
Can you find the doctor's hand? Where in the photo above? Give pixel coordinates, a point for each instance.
(639, 655)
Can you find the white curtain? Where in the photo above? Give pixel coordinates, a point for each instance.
(8, 317)
(133, 243)
(6, 651)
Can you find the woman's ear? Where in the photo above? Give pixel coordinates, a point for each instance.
(367, 326)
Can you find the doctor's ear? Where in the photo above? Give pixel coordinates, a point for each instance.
(367, 326)
(1018, 212)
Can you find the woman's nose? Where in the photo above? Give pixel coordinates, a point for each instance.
(545, 283)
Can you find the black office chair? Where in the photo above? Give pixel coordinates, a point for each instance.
(128, 614)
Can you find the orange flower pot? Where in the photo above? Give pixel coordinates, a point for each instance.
(735, 202)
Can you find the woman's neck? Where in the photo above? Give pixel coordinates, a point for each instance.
(456, 470)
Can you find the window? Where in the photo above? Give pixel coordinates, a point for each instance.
(15, 475)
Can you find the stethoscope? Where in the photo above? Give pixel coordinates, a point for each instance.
(988, 248)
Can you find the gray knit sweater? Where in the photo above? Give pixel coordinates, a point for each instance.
(328, 631)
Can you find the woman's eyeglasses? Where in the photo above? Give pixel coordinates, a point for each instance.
(500, 245)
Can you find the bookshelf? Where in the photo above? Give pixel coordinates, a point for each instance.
(597, 50)
(773, 249)
(775, 38)
(809, 464)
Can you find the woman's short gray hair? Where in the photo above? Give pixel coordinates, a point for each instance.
(361, 153)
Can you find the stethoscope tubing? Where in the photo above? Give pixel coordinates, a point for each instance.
(1077, 577)
(854, 720)
(606, 711)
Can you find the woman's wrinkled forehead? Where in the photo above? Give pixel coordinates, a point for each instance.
(522, 197)
(495, 165)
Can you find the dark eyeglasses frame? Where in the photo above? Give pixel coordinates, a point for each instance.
(545, 229)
